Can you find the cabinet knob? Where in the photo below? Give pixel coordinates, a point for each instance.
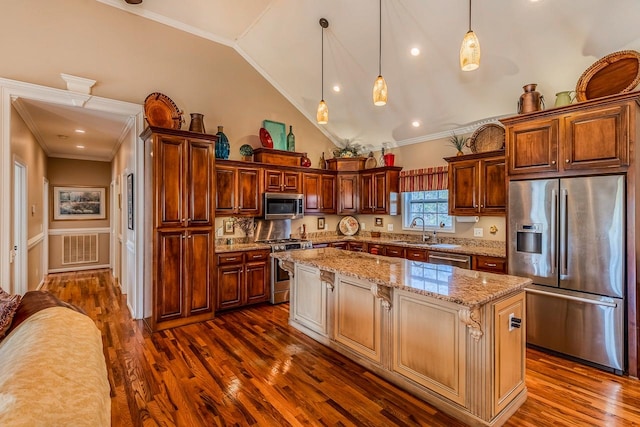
(553, 162)
(566, 161)
(475, 206)
(482, 206)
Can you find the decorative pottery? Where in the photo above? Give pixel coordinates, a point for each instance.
(389, 159)
(222, 145)
(197, 123)
(564, 98)
(291, 140)
(530, 100)
(246, 151)
(305, 161)
(265, 138)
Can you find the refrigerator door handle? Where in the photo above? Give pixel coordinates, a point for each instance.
(572, 298)
(564, 234)
(554, 231)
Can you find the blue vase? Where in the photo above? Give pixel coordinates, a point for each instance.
(222, 145)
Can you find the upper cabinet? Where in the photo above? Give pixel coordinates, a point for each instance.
(319, 193)
(347, 188)
(379, 191)
(592, 135)
(238, 190)
(477, 184)
(278, 181)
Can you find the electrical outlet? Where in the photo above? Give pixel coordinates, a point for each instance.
(389, 227)
(477, 232)
(362, 226)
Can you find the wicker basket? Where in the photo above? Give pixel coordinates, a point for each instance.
(489, 137)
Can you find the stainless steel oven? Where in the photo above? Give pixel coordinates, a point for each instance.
(280, 281)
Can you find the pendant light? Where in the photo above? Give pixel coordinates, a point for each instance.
(380, 86)
(470, 49)
(322, 115)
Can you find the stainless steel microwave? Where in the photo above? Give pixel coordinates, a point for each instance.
(283, 206)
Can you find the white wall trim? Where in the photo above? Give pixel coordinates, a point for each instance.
(35, 240)
(67, 231)
(78, 268)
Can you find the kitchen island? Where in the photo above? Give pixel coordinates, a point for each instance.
(450, 336)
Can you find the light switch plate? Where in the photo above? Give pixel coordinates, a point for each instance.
(389, 227)
(477, 232)
(362, 226)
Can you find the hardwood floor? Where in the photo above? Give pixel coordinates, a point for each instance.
(250, 368)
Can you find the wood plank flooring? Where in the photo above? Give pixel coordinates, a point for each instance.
(249, 368)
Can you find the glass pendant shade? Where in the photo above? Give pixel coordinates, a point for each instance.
(322, 115)
(380, 91)
(470, 52)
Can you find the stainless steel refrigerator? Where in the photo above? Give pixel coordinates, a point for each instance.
(568, 236)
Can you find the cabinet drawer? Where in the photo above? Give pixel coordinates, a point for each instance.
(257, 255)
(416, 254)
(490, 264)
(394, 251)
(231, 258)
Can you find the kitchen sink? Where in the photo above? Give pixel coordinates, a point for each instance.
(444, 246)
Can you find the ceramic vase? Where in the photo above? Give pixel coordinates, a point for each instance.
(197, 123)
(222, 145)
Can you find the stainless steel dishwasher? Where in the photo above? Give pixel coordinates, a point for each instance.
(456, 260)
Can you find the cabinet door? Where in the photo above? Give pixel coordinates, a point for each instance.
(312, 188)
(200, 169)
(490, 264)
(394, 251)
(230, 283)
(170, 185)
(380, 193)
(169, 276)
(463, 188)
(272, 181)
(347, 194)
(328, 194)
(357, 246)
(414, 254)
(199, 272)
(291, 182)
(493, 187)
(248, 191)
(533, 147)
(310, 299)
(226, 190)
(366, 193)
(597, 138)
(509, 357)
(257, 282)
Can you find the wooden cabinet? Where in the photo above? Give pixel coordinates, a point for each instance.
(378, 190)
(347, 199)
(309, 300)
(415, 254)
(243, 279)
(572, 139)
(509, 352)
(238, 190)
(357, 246)
(339, 245)
(282, 181)
(477, 184)
(319, 193)
(489, 263)
(179, 188)
(395, 251)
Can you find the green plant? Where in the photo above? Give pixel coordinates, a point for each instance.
(349, 150)
(458, 141)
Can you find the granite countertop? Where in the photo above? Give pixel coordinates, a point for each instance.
(462, 247)
(465, 287)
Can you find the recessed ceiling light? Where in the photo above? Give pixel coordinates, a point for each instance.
(336, 88)
(79, 131)
(415, 51)
(415, 124)
(80, 146)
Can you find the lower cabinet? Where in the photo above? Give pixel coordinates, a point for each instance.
(309, 297)
(358, 324)
(243, 279)
(489, 264)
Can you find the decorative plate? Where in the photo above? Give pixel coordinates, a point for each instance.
(161, 111)
(278, 134)
(348, 226)
(265, 138)
(489, 137)
(618, 72)
(370, 163)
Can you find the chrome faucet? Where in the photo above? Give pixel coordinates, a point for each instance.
(414, 223)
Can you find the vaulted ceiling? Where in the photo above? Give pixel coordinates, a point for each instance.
(548, 42)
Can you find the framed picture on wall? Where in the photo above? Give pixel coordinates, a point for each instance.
(130, 201)
(79, 203)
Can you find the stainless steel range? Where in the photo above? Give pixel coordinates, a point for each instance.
(277, 233)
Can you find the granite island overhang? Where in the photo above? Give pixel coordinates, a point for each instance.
(453, 337)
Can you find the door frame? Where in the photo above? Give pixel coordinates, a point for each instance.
(20, 283)
(11, 90)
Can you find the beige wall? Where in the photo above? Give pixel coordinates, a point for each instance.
(131, 57)
(25, 149)
(78, 173)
